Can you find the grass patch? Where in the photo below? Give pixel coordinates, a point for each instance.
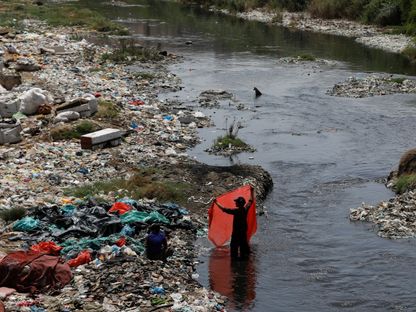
(405, 183)
(63, 14)
(398, 80)
(410, 52)
(143, 184)
(129, 52)
(224, 142)
(145, 75)
(67, 132)
(306, 57)
(12, 214)
(107, 110)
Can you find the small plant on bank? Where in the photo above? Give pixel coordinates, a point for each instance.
(107, 110)
(230, 143)
(12, 214)
(398, 80)
(129, 52)
(306, 57)
(405, 183)
(145, 183)
(67, 132)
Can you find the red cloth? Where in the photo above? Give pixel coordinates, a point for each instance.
(82, 258)
(120, 207)
(49, 248)
(31, 271)
(121, 242)
(221, 223)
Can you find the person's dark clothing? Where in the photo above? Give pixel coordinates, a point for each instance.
(239, 235)
(156, 245)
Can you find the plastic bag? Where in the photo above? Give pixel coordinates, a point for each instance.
(83, 258)
(120, 207)
(26, 224)
(49, 248)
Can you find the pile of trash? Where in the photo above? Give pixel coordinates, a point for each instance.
(395, 218)
(372, 85)
(104, 243)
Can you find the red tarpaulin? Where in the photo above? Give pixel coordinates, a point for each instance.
(221, 223)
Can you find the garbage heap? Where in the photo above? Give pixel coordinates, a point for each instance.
(104, 245)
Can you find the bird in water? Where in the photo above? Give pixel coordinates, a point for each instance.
(257, 91)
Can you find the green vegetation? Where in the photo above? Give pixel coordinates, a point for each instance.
(12, 214)
(145, 183)
(405, 183)
(107, 110)
(223, 142)
(67, 132)
(410, 52)
(230, 139)
(306, 57)
(145, 75)
(401, 13)
(129, 52)
(62, 14)
(398, 80)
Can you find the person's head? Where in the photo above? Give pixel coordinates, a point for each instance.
(155, 228)
(240, 202)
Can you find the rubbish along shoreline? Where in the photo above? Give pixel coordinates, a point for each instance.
(58, 87)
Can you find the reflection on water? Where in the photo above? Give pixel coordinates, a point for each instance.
(235, 279)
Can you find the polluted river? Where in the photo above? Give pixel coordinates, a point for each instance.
(326, 154)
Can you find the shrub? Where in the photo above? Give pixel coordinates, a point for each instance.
(405, 183)
(12, 214)
(107, 110)
(67, 132)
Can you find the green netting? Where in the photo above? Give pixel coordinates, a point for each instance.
(141, 216)
(78, 245)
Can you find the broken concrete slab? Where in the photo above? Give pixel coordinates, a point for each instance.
(10, 133)
(9, 105)
(85, 106)
(101, 138)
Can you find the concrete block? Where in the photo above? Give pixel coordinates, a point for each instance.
(101, 138)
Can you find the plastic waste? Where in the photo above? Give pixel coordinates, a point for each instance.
(157, 290)
(83, 258)
(32, 99)
(26, 224)
(120, 207)
(127, 230)
(49, 248)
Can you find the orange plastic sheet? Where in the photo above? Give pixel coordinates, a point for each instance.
(49, 248)
(120, 207)
(221, 223)
(83, 258)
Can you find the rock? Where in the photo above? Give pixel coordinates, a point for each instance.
(9, 81)
(9, 105)
(32, 99)
(27, 65)
(86, 105)
(10, 133)
(67, 116)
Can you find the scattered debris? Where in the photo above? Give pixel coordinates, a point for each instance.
(372, 86)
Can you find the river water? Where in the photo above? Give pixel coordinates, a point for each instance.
(325, 155)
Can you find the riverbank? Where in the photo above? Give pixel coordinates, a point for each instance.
(368, 35)
(47, 167)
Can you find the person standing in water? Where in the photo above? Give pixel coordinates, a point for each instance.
(239, 243)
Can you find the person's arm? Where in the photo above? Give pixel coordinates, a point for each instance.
(226, 210)
(252, 197)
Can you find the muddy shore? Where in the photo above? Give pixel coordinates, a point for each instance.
(45, 167)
